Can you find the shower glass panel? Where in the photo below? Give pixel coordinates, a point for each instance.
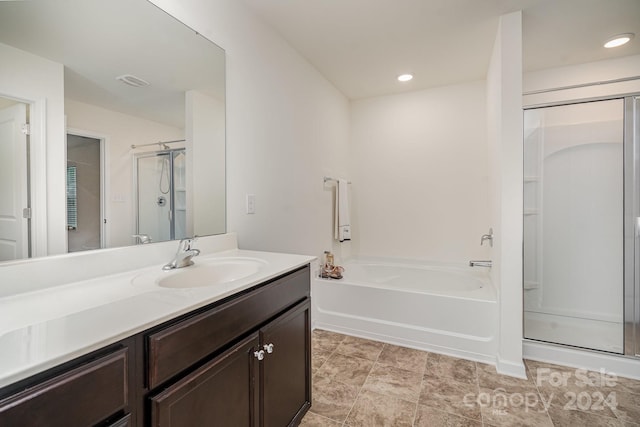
(574, 225)
(161, 195)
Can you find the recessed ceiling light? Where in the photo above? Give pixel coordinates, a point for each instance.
(618, 40)
(404, 77)
(132, 80)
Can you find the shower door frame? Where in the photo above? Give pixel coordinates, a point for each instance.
(632, 225)
(631, 220)
(170, 152)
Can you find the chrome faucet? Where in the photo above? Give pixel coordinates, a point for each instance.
(480, 264)
(184, 254)
(488, 237)
(142, 238)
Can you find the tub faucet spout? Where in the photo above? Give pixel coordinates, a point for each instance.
(480, 263)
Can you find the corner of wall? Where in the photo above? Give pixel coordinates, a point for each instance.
(504, 97)
(511, 368)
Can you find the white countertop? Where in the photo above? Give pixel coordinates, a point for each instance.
(50, 326)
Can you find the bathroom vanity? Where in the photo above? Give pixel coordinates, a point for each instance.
(237, 357)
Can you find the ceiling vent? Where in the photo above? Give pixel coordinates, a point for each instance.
(132, 80)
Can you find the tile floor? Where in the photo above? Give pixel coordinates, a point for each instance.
(358, 382)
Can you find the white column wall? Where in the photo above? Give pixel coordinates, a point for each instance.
(504, 88)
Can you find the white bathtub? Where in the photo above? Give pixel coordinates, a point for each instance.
(444, 309)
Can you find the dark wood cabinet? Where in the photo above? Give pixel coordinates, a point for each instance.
(263, 380)
(242, 361)
(285, 375)
(87, 395)
(220, 393)
(175, 348)
(121, 422)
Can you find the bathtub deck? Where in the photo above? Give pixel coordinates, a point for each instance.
(359, 382)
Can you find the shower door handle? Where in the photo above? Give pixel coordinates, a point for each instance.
(637, 227)
(170, 214)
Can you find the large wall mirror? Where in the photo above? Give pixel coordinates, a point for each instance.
(112, 127)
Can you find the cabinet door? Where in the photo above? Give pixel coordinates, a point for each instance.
(286, 372)
(220, 393)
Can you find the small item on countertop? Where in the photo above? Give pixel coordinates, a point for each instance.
(329, 270)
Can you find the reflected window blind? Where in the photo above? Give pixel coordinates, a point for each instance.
(72, 198)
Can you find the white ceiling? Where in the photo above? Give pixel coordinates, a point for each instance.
(361, 46)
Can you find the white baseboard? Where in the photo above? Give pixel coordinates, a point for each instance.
(628, 367)
(511, 368)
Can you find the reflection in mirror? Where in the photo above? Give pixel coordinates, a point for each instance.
(160, 195)
(14, 199)
(131, 83)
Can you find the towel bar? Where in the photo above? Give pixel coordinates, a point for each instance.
(328, 178)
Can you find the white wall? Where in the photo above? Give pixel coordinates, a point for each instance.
(419, 172)
(120, 131)
(504, 88)
(287, 127)
(40, 83)
(204, 131)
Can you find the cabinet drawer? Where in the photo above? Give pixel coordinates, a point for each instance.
(179, 346)
(83, 396)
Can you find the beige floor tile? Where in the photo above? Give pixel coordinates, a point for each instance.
(360, 347)
(628, 385)
(346, 369)
(405, 358)
(359, 382)
(572, 397)
(566, 418)
(446, 394)
(532, 365)
(627, 407)
(332, 399)
(544, 374)
(440, 365)
(515, 413)
(374, 409)
(394, 382)
(488, 378)
(319, 357)
(311, 419)
(430, 417)
(325, 340)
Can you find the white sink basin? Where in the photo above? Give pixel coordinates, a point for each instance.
(203, 273)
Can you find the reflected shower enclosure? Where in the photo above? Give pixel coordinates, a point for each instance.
(160, 195)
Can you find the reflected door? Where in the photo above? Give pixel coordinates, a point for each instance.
(84, 193)
(14, 227)
(574, 225)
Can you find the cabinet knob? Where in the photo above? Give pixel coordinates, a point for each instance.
(268, 348)
(259, 354)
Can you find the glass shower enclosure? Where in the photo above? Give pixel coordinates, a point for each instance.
(160, 195)
(580, 229)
